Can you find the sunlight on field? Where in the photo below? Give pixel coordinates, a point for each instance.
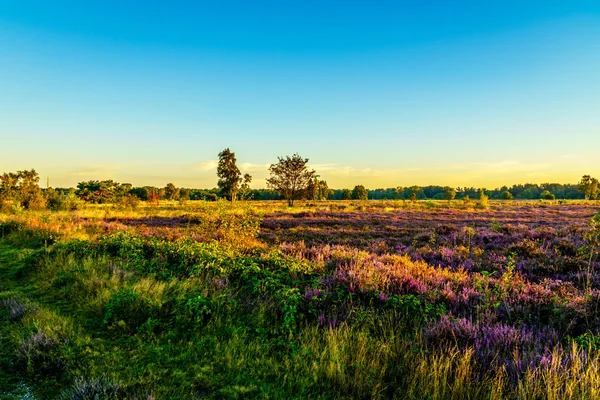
(389, 299)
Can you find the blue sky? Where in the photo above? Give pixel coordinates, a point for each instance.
(374, 93)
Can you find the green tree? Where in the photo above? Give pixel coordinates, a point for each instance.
(506, 195)
(360, 193)
(229, 175)
(346, 194)
(245, 191)
(291, 177)
(171, 192)
(107, 191)
(449, 194)
(230, 178)
(317, 189)
(23, 189)
(546, 195)
(589, 186)
(399, 193)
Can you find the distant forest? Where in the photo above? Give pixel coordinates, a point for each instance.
(520, 192)
(21, 190)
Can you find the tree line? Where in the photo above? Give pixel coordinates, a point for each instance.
(289, 179)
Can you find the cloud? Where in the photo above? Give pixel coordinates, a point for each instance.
(250, 167)
(205, 166)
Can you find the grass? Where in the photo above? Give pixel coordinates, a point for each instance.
(92, 303)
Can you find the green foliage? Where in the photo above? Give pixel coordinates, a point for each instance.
(483, 202)
(346, 194)
(100, 192)
(318, 190)
(360, 193)
(230, 178)
(450, 194)
(171, 192)
(21, 189)
(506, 195)
(291, 177)
(127, 311)
(132, 315)
(63, 200)
(589, 186)
(546, 195)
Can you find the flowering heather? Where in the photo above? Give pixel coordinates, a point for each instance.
(421, 302)
(101, 388)
(16, 307)
(41, 354)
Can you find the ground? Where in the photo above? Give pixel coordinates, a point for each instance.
(325, 300)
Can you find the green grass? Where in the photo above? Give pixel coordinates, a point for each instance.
(178, 336)
(152, 318)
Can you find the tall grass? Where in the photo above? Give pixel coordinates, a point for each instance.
(88, 303)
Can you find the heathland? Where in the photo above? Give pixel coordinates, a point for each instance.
(325, 300)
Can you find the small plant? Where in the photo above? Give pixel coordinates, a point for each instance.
(42, 355)
(127, 311)
(17, 308)
(483, 201)
(102, 388)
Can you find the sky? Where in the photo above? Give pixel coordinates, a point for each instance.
(383, 94)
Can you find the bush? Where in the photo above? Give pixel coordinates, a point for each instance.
(546, 195)
(101, 388)
(42, 355)
(127, 311)
(58, 201)
(16, 307)
(483, 200)
(130, 201)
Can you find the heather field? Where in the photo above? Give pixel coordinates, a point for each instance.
(324, 300)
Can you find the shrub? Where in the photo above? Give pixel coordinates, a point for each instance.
(102, 388)
(16, 307)
(42, 355)
(58, 201)
(546, 195)
(483, 200)
(127, 311)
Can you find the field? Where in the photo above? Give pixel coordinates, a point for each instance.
(325, 300)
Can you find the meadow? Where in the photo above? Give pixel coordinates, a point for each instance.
(324, 300)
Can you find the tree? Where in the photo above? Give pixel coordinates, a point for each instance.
(449, 194)
(346, 194)
(506, 195)
(290, 177)
(360, 193)
(245, 191)
(399, 193)
(102, 191)
(317, 189)
(589, 186)
(230, 178)
(171, 192)
(229, 175)
(546, 195)
(22, 188)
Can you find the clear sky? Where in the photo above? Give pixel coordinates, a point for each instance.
(379, 93)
